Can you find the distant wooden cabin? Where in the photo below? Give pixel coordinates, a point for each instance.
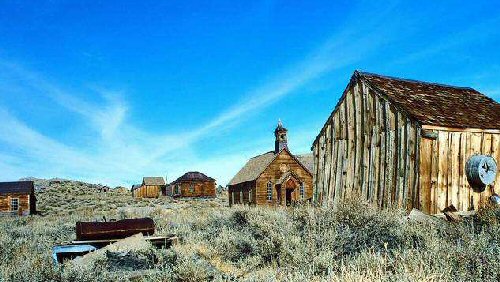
(274, 178)
(17, 198)
(135, 187)
(406, 143)
(192, 184)
(151, 187)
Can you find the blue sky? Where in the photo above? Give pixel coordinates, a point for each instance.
(110, 91)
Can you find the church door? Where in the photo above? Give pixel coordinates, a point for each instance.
(290, 188)
(289, 196)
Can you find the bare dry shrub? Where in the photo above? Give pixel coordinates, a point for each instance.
(352, 242)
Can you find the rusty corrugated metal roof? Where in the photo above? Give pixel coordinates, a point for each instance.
(437, 104)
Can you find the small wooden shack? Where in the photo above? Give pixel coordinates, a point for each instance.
(192, 184)
(17, 198)
(135, 187)
(407, 143)
(151, 187)
(274, 178)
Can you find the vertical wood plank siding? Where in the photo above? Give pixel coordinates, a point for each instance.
(442, 169)
(147, 191)
(368, 148)
(273, 173)
(197, 188)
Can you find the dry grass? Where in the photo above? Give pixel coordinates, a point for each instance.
(355, 242)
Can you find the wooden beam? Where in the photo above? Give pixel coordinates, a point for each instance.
(441, 128)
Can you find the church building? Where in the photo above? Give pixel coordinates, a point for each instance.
(274, 178)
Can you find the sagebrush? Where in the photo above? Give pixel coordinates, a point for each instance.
(353, 242)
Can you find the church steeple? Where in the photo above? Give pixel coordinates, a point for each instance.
(280, 137)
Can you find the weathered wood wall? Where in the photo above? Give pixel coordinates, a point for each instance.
(273, 173)
(25, 206)
(369, 149)
(240, 193)
(148, 191)
(199, 188)
(255, 192)
(442, 168)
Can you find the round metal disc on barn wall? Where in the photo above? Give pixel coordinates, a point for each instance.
(481, 171)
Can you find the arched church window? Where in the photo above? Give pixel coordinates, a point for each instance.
(269, 191)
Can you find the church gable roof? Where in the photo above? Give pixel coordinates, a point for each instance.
(253, 168)
(256, 165)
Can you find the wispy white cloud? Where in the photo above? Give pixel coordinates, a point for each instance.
(19, 135)
(343, 49)
(105, 117)
(124, 152)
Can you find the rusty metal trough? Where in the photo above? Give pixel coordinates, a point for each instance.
(114, 229)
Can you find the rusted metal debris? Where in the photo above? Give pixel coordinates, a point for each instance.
(114, 229)
(92, 236)
(76, 249)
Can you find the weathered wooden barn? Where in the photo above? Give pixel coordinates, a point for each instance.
(274, 178)
(192, 184)
(407, 143)
(151, 187)
(17, 198)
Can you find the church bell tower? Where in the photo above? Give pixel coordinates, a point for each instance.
(280, 138)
